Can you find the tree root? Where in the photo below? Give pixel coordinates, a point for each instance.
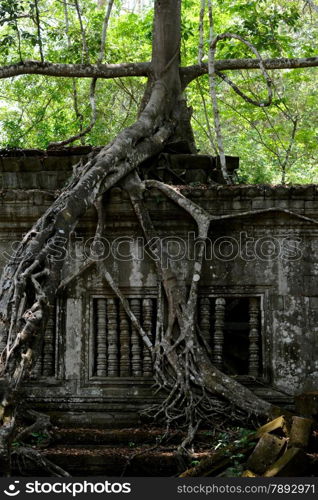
(25, 455)
(6, 438)
(42, 425)
(182, 364)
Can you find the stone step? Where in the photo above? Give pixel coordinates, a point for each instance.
(95, 460)
(128, 436)
(116, 452)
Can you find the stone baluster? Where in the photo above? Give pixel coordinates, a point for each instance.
(218, 332)
(112, 338)
(205, 319)
(136, 360)
(3, 345)
(49, 347)
(253, 366)
(147, 307)
(101, 338)
(37, 368)
(124, 343)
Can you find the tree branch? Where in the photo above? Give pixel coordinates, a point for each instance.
(79, 116)
(201, 32)
(88, 128)
(311, 4)
(76, 70)
(92, 91)
(207, 131)
(104, 31)
(107, 71)
(189, 73)
(212, 81)
(38, 26)
(85, 53)
(289, 149)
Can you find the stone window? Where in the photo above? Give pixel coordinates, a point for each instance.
(46, 363)
(231, 327)
(118, 349)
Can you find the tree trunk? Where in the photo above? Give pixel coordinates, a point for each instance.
(30, 280)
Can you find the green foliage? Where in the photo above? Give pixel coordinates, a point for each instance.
(261, 136)
(37, 110)
(240, 438)
(194, 463)
(38, 438)
(244, 436)
(16, 444)
(35, 439)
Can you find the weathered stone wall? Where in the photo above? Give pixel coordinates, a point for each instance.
(272, 257)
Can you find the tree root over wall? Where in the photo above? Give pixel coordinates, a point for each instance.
(31, 279)
(181, 358)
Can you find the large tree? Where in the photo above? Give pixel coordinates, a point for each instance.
(31, 279)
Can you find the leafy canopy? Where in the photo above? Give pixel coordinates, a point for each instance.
(273, 142)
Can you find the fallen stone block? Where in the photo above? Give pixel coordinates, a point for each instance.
(279, 423)
(300, 432)
(292, 464)
(249, 473)
(307, 404)
(218, 461)
(266, 452)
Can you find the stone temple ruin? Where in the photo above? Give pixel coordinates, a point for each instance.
(258, 306)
